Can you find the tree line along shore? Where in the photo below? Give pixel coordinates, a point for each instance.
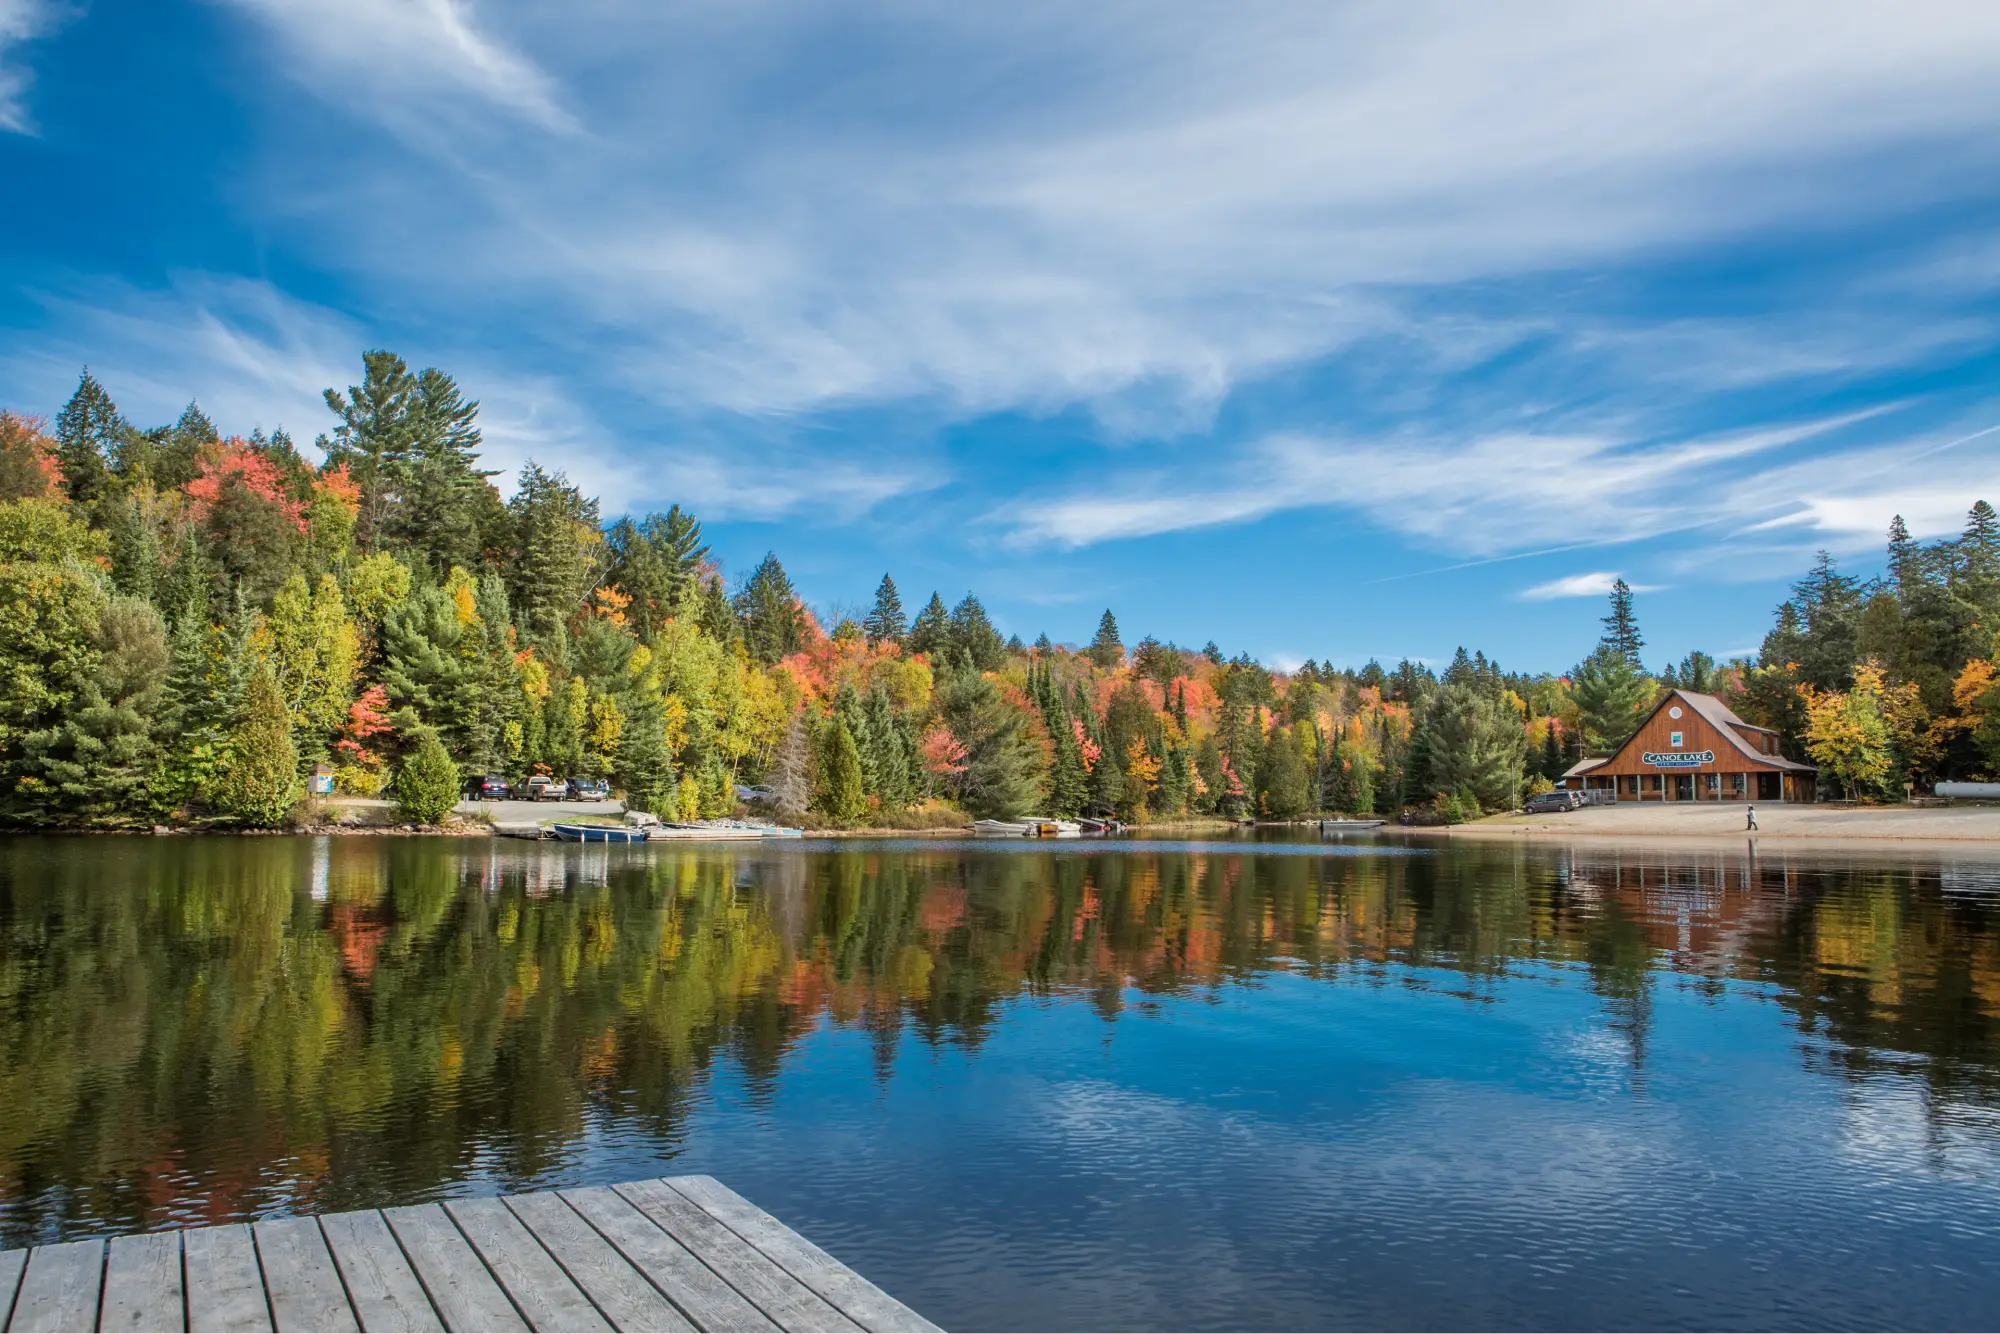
(192, 624)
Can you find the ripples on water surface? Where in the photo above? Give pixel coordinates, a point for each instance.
(1088, 1085)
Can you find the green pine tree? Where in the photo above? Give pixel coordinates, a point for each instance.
(89, 432)
(1105, 650)
(885, 622)
(973, 637)
(1621, 626)
(769, 613)
(930, 633)
(257, 780)
(427, 783)
(846, 800)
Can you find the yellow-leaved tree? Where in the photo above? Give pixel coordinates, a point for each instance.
(1848, 736)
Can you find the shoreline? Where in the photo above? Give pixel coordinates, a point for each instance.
(1852, 827)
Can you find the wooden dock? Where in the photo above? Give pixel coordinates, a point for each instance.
(677, 1253)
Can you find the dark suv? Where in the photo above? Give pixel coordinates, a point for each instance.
(589, 789)
(487, 787)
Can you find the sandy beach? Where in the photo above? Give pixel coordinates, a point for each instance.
(1879, 824)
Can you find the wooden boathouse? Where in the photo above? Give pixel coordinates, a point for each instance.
(1692, 747)
(676, 1253)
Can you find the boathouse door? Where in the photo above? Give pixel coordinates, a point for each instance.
(1770, 787)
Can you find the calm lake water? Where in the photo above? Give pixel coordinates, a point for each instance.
(1148, 1084)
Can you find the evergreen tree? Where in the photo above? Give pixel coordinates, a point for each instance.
(89, 432)
(1905, 556)
(427, 784)
(657, 563)
(885, 623)
(718, 619)
(973, 637)
(1613, 695)
(96, 765)
(257, 781)
(447, 504)
(1002, 765)
(1696, 672)
(431, 681)
(1554, 762)
(1283, 780)
(1475, 745)
(1829, 607)
(555, 537)
(769, 613)
(890, 753)
(1621, 627)
(374, 441)
(930, 634)
(1105, 649)
(846, 800)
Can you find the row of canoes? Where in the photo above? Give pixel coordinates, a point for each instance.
(661, 833)
(1038, 826)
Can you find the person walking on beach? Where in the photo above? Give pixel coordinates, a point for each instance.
(1751, 813)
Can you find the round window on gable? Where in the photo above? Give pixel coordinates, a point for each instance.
(1674, 712)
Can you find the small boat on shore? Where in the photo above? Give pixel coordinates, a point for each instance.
(710, 832)
(999, 829)
(598, 833)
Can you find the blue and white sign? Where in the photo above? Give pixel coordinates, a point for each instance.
(1678, 759)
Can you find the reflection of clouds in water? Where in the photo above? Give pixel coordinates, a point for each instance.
(1976, 880)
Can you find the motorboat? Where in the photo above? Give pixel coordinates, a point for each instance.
(1042, 826)
(1000, 828)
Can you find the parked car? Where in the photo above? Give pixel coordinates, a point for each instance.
(544, 788)
(1549, 802)
(589, 789)
(487, 787)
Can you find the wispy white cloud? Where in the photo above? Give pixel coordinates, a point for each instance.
(1486, 496)
(20, 21)
(1132, 207)
(254, 357)
(1595, 583)
(409, 60)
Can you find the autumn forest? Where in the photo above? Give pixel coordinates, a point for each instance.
(191, 624)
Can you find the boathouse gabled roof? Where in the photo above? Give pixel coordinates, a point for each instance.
(1724, 720)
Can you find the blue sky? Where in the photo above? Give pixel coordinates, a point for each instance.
(1319, 331)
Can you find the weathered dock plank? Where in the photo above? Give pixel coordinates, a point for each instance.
(300, 1278)
(384, 1289)
(461, 1289)
(695, 1288)
(776, 1293)
(538, 1285)
(625, 1296)
(676, 1254)
(142, 1284)
(225, 1288)
(855, 1297)
(11, 1265)
(60, 1288)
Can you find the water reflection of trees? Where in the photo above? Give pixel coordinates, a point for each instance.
(209, 1028)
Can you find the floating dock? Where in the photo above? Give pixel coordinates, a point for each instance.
(676, 1253)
